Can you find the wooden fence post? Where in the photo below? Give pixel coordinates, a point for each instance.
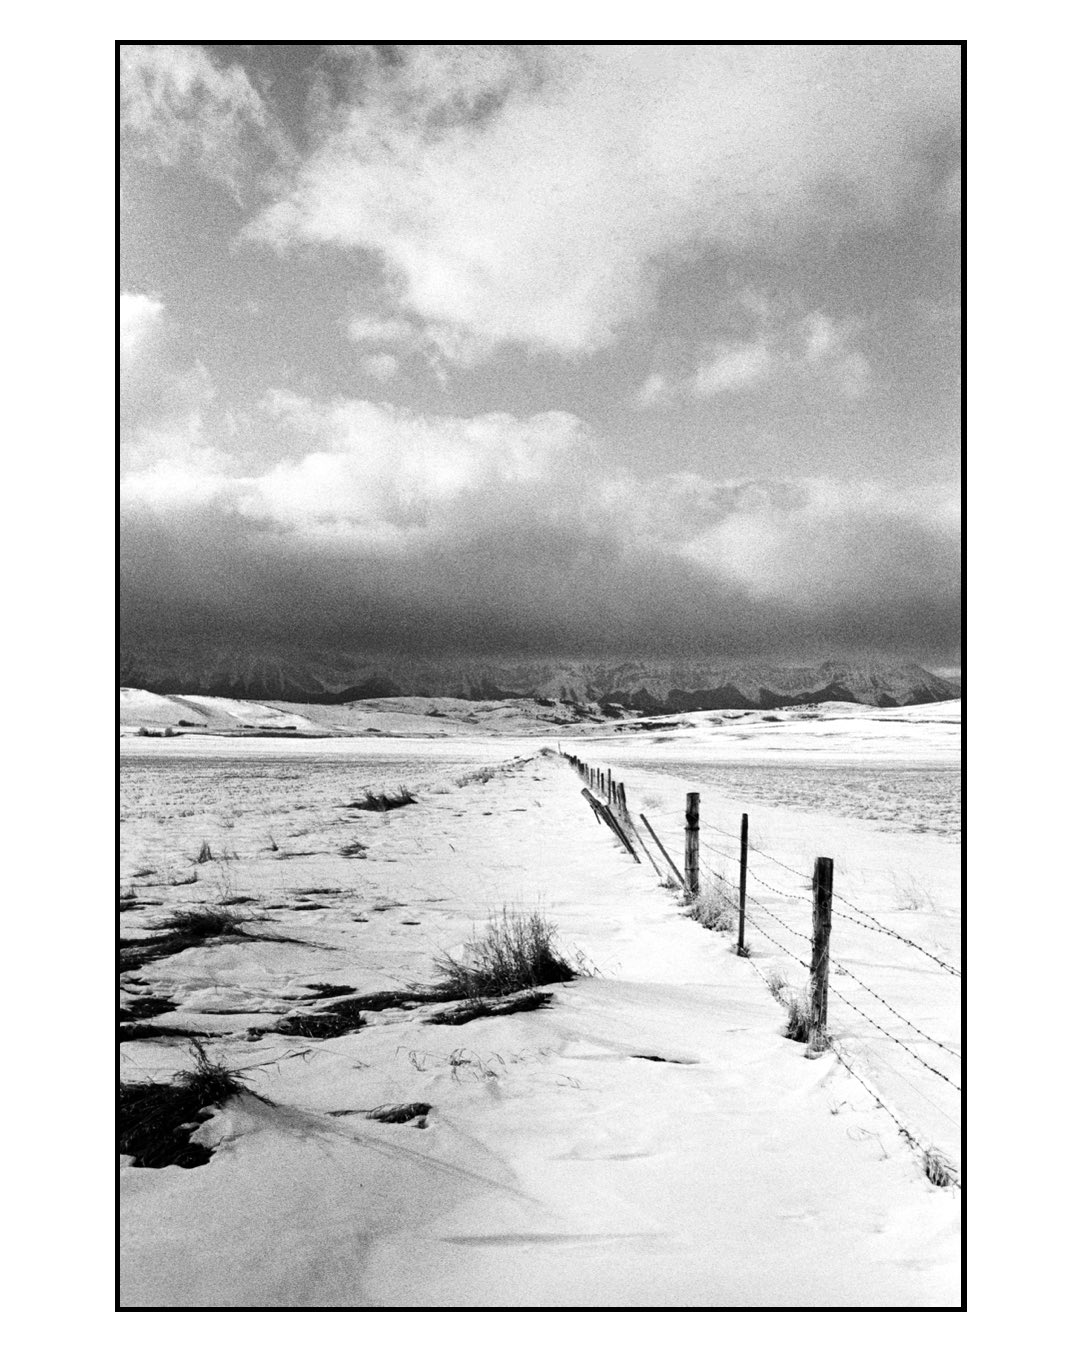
(691, 858)
(663, 850)
(819, 956)
(744, 847)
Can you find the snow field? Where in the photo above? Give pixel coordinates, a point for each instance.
(559, 1168)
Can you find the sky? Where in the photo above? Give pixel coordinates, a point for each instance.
(551, 350)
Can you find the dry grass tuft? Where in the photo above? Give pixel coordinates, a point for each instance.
(714, 907)
(938, 1168)
(383, 801)
(798, 1023)
(484, 775)
(516, 952)
(199, 925)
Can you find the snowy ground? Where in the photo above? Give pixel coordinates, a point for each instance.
(559, 1167)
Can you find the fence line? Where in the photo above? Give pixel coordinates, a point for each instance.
(616, 814)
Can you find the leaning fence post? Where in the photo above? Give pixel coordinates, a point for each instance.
(663, 850)
(744, 847)
(819, 956)
(691, 858)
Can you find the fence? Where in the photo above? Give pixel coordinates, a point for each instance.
(742, 906)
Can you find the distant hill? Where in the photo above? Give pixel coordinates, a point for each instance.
(643, 685)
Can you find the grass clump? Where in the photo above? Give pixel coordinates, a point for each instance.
(797, 1003)
(205, 853)
(354, 850)
(199, 925)
(155, 1121)
(326, 1023)
(938, 1168)
(383, 801)
(187, 928)
(798, 1023)
(516, 952)
(777, 985)
(484, 775)
(713, 907)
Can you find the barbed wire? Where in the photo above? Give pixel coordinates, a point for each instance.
(718, 851)
(877, 1064)
(874, 994)
(883, 928)
(786, 894)
(776, 919)
(878, 925)
(803, 876)
(855, 1008)
(843, 970)
(905, 1132)
(706, 825)
(769, 937)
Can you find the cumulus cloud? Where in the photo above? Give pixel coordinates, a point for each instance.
(528, 195)
(496, 534)
(163, 400)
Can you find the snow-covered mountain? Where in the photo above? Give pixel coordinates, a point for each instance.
(648, 685)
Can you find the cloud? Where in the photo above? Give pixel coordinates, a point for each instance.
(529, 195)
(375, 529)
(140, 315)
(163, 400)
(814, 349)
(383, 332)
(406, 338)
(734, 366)
(177, 104)
(381, 366)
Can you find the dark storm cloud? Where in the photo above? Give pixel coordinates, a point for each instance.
(533, 587)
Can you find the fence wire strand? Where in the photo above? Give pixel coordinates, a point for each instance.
(855, 1008)
(843, 970)
(883, 928)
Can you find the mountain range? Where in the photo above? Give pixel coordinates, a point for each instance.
(644, 685)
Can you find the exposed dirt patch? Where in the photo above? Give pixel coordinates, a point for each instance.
(145, 1005)
(147, 1031)
(155, 1121)
(189, 928)
(495, 1007)
(663, 1059)
(401, 1113)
